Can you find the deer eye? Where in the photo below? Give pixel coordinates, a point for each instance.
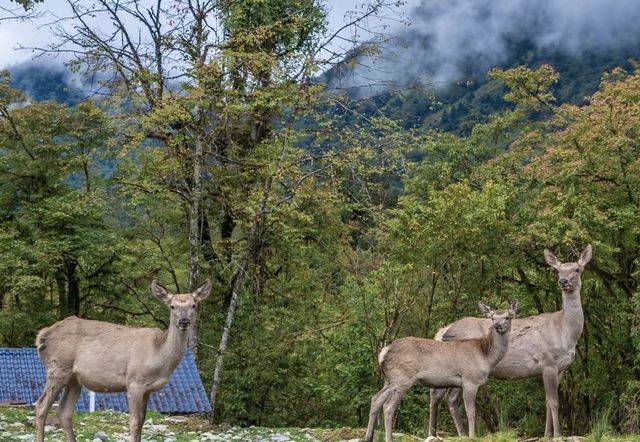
(577, 270)
(193, 306)
(173, 307)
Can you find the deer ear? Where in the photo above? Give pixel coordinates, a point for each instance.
(485, 309)
(551, 259)
(160, 292)
(514, 308)
(585, 256)
(202, 291)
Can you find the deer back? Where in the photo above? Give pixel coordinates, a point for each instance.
(100, 354)
(535, 342)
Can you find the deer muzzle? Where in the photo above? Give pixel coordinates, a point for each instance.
(183, 324)
(501, 329)
(564, 284)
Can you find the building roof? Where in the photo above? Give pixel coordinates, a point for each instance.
(22, 380)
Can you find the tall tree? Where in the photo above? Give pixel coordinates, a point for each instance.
(216, 87)
(55, 233)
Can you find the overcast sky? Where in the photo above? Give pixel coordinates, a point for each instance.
(445, 36)
(36, 33)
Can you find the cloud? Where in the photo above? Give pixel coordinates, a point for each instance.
(453, 39)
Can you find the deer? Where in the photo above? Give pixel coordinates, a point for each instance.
(106, 357)
(463, 364)
(541, 346)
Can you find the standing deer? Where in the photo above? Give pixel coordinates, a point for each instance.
(464, 364)
(542, 345)
(107, 357)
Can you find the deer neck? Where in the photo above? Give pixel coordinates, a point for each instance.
(173, 344)
(496, 346)
(572, 314)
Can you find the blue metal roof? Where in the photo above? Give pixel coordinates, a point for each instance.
(22, 380)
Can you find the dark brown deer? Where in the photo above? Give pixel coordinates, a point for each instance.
(542, 345)
(462, 364)
(107, 357)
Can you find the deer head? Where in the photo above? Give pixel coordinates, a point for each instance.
(183, 306)
(569, 273)
(501, 319)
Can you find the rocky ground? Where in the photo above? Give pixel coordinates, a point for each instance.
(16, 424)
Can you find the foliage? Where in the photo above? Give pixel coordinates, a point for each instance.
(27, 4)
(457, 107)
(335, 231)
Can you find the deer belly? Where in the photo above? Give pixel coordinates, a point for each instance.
(518, 367)
(104, 383)
(440, 379)
(99, 376)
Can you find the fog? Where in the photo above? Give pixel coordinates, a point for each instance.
(451, 40)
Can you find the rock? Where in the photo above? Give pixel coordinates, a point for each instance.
(160, 428)
(575, 439)
(176, 418)
(96, 439)
(433, 439)
(101, 435)
(280, 437)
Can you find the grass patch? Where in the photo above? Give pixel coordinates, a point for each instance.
(601, 425)
(16, 424)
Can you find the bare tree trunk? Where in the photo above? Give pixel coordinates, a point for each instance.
(73, 287)
(62, 294)
(238, 279)
(195, 237)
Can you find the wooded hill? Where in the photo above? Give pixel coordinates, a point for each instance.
(458, 105)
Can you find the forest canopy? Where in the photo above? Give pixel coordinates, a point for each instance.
(327, 232)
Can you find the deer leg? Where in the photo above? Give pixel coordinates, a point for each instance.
(389, 409)
(550, 380)
(145, 403)
(51, 389)
(66, 407)
(548, 426)
(469, 392)
(137, 407)
(435, 396)
(454, 396)
(376, 404)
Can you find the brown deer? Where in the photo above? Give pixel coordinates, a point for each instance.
(463, 364)
(107, 357)
(542, 345)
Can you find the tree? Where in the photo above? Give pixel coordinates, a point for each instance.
(215, 88)
(24, 13)
(55, 238)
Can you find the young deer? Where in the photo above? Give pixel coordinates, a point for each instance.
(464, 364)
(107, 357)
(542, 345)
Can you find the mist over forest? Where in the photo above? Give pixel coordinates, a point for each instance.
(446, 42)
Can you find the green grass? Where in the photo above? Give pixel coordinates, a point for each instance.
(601, 425)
(16, 424)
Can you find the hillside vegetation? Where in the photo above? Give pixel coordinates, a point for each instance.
(327, 230)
